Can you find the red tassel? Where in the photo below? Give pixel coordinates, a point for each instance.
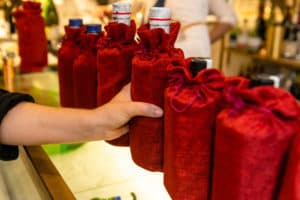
(252, 136)
(114, 59)
(85, 72)
(32, 41)
(191, 106)
(148, 81)
(68, 52)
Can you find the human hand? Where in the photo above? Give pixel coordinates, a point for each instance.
(114, 116)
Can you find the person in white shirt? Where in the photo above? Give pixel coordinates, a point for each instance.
(195, 39)
(89, 11)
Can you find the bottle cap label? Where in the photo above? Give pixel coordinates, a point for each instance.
(160, 17)
(93, 28)
(160, 12)
(122, 12)
(75, 22)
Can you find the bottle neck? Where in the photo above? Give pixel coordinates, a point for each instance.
(50, 13)
(123, 21)
(163, 23)
(92, 33)
(261, 10)
(288, 15)
(122, 17)
(74, 27)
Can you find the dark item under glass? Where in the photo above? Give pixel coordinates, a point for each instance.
(197, 64)
(295, 90)
(8, 152)
(260, 82)
(261, 24)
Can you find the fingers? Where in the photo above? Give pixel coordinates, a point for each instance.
(143, 109)
(130, 110)
(126, 88)
(113, 134)
(123, 95)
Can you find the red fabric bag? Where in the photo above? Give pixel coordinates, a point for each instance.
(69, 51)
(290, 190)
(85, 72)
(148, 81)
(114, 58)
(253, 134)
(32, 41)
(191, 107)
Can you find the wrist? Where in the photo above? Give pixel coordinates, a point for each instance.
(94, 125)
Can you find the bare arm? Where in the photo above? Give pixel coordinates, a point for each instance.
(226, 18)
(32, 124)
(218, 31)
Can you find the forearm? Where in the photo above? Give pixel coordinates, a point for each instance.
(32, 124)
(218, 31)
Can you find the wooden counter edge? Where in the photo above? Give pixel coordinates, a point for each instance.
(48, 173)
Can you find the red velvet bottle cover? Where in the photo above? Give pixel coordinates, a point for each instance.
(69, 51)
(291, 183)
(85, 72)
(191, 106)
(253, 134)
(148, 81)
(114, 58)
(32, 41)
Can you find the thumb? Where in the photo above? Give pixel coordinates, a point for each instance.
(144, 109)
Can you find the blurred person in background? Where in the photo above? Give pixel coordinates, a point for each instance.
(89, 11)
(195, 38)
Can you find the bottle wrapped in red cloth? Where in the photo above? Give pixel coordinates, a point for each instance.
(69, 51)
(253, 134)
(32, 41)
(191, 107)
(114, 58)
(291, 184)
(148, 82)
(85, 69)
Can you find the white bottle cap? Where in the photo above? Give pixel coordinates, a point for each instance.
(122, 12)
(276, 81)
(160, 17)
(209, 63)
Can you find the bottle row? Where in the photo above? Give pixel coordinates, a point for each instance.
(219, 138)
(215, 130)
(91, 60)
